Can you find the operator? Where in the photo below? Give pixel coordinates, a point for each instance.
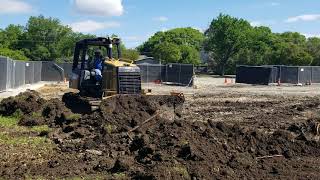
(98, 65)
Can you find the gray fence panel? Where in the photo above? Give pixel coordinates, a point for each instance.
(11, 74)
(20, 68)
(29, 73)
(186, 74)
(254, 74)
(181, 74)
(305, 75)
(3, 73)
(51, 72)
(274, 77)
(316, 74)
(37, 71)
(151, 73)
(67, 67)
(289, 75)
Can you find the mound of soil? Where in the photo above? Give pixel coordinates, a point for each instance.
(26, 102)
(147, 137)
(127, 112)
(76, 103)
(52, 113)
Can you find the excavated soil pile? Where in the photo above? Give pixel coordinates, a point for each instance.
(134, 137)
(34, 110)
(24, 103)
(52, 113)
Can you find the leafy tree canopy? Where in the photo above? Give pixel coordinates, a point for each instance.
(177, 41)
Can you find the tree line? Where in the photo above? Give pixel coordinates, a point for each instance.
(231, 41)
(44, 39)
(228, 41)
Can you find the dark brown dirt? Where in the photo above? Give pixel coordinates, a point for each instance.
(26, 103)
(273, 139)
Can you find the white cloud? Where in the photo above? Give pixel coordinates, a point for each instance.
(275, 4)
(161, 19)
(99, 7)
(14, 7)
(256, 23)
(92, 26)
(311, 35)
(199, 29)
(305, 17)
(164, 29)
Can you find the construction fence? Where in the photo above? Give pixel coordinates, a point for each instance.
(14, 74)
(278, 74)
(17, 73)
(177, 74)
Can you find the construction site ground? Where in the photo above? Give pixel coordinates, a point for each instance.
(224, 131)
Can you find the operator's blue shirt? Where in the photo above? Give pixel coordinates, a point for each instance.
(98, 68)
(98, 64)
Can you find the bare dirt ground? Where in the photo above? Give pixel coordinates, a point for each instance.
(222, 132)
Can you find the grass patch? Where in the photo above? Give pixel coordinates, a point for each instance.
(21, 140)
(120, 176)
(182, 171)
(8, 121)
(74, 116)
(36, 115)
(40, 128)
(12, 123)
(110, 128)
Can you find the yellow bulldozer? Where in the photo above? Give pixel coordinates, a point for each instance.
(117, 76)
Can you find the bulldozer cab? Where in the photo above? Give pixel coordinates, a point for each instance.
(114, 76)
(84, 51)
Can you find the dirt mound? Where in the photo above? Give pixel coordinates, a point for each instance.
(127, 112)
(76, 103)
(187, 150)
(26, 102)
(52, 113)
(116, 116)
(147, 137)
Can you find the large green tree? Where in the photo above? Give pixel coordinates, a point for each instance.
(9, 40)
(43, 36)
(313, 48)
(167, 52)
(186, 43)
(225, 37)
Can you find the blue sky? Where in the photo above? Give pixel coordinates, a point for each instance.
(136, 20)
